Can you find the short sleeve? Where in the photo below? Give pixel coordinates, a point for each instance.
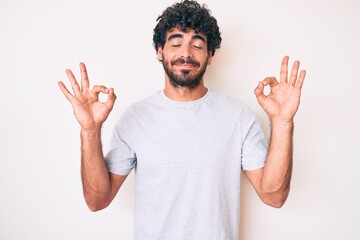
(254, 145)
(121, 158)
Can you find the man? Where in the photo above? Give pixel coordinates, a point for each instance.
(188, 144)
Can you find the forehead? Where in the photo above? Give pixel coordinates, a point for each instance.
(186, 32)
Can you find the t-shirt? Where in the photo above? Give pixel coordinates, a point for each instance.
(187, 157)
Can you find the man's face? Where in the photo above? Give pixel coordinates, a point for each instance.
(185, 57)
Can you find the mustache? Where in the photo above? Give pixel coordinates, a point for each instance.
(185, 61)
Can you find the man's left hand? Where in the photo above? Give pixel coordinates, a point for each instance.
(284, 98)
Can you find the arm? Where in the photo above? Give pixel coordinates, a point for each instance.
(99, 186)
(272, 183)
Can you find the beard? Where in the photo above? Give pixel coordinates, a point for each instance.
(185, 78)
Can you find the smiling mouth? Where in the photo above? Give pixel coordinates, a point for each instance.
(186, 66)
(185, 63)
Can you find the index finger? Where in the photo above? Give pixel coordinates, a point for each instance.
(84, 77)
(284, 69)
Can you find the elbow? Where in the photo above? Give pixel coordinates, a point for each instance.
(275, 199)
(96, 204)
(276, 204)
(95, 207)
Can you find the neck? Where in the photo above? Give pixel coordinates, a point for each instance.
(184, 94)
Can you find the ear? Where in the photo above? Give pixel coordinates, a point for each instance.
(160, 53)
(209, 58)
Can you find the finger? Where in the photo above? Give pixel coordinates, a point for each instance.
(259, 93)
(301, 79)
(294, 73)
(65, 91)
(74, 84)
(284, 69)
(111, 99)
(84, 77)
(270, 81)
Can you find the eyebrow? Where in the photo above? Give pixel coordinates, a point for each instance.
(198, 37)
(178, 35)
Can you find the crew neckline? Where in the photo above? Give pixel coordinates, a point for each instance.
(186, 104)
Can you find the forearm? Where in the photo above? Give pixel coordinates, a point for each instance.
(278, 166)
(94, 173)
(272, 182)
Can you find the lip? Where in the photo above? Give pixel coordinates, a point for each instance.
(185, 66)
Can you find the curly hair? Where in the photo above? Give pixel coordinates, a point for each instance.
(187, 14)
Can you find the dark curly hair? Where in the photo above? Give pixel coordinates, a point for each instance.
(187, 14)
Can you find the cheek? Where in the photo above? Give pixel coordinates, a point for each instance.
(169, 56)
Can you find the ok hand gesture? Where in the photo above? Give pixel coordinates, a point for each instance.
(284, 98)
(89, 111)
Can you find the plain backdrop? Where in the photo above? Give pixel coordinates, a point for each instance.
(40, 187)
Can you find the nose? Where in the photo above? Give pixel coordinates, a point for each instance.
(186, 51)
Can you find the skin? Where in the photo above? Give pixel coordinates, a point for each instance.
(184, 45)
(272, 182)
(99, 186)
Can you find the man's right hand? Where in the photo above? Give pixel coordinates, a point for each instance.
(89, 111)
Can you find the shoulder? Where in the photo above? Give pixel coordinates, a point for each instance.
(139, 110)
(232, 109)
(226, 103)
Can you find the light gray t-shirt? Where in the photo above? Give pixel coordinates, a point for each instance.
(188, 157)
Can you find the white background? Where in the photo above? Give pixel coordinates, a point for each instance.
(40, 188)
